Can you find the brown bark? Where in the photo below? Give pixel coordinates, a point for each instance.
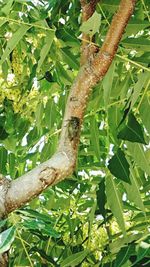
(87, 47)
(63, 161)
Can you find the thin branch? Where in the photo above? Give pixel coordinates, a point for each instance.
(63, 162)
(87, 48)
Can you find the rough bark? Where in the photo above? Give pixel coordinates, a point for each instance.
(63, 161)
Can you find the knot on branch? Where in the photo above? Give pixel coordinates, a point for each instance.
(47, 176)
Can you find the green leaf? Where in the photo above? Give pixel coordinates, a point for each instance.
(123, 255)
(95, 136)
(110, 5)
(63, 75)
(92, 25)
(6, 239)
(144, 110)
(138, 154)
(17, 36)
(132, 131)
(135, 26)
(40, 226)
(101, 198)
(140, 43)
(3, 160)
(39, 115)
(143, 250)
(133, 191)
(46, 152)
(3, 133)
(12, 165)
(119, 166)
(142, 79)
(7, 8)
(115, 202)
(46, 48)
(2, 21)
(107, 83)
(75, 259)
(69, 58)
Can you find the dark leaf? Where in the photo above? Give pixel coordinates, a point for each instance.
(119, 166)
(133, 131)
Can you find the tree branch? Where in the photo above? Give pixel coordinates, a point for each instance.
(63, 162)
(87, 48)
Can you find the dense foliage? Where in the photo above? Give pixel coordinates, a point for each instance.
(100, 215)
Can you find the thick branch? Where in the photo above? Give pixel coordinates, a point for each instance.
(62, 163)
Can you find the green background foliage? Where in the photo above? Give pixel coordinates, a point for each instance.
(100, 215)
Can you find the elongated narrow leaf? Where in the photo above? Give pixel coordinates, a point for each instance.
(142, 79)
(144, 110)
(7, 8)
(101, 198)
(3, 160)
(124, 255)
(115, 202)
(119, 166)
(69, 58)
(132, 131)
(95, 137)
(45, 50)
(133, 191)
(107, 83)
(141, 43)
(74, 260)
(6, 239)
(17, 36)
(138, 154)
(2, 21)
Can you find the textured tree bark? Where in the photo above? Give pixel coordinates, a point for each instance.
(62, 163)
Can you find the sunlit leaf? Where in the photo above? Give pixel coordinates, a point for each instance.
(114, 201)
(6, 239)
(92, 25)
(16, 37)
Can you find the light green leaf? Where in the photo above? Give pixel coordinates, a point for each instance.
(6, 239)
(140, 43)
(110, 5)
(75, 259)
(138, 154)
(107, 83)
(3, 160)
(2, 21)
(133, 191)
(7, 8)
(115, 202)
(39, 115)
(142, 79)
(45, 49)
(135, 26)
(95, 137)
(17, 36)
(92, 25)
(144, 110)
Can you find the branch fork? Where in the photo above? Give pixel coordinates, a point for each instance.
(18, 192)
